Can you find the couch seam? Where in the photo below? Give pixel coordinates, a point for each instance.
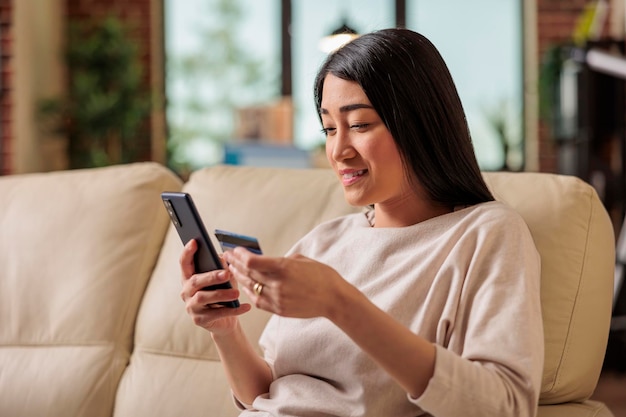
(60, 345)
(571, 326)
(174, 354)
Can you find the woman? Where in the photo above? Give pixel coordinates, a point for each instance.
(426, 304)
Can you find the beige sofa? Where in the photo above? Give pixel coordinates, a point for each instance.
(91, 319)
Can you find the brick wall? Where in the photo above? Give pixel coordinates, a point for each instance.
(556, 20)
(135, 13)
(5, 85)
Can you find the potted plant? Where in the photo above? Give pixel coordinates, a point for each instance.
(106, 104)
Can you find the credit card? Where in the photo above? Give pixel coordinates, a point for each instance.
(230, 240)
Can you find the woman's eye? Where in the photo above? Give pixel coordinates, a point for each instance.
(328, 130)
(359, 126)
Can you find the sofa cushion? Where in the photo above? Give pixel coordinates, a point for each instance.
(76, 251)
(574, 236)
(174, 361)
(575, 409)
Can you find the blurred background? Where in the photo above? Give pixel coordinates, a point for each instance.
(199, 82)
(196, 83)
(225, 58)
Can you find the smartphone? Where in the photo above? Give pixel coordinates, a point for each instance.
(188, 224)
(230, 240)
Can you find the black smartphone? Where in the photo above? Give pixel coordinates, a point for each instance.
(188, 224)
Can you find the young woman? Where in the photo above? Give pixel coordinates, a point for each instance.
(427, 304)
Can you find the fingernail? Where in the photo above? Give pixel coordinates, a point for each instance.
(221, 274)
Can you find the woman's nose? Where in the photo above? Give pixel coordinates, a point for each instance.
(342, 146)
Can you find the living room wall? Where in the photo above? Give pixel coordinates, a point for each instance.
(32, 35)
(30, 68)
(38, 37)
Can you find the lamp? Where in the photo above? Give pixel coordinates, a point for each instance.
(337, 38)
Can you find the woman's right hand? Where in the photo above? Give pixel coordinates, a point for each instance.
(202, 305)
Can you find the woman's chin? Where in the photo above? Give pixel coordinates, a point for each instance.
(354, 199)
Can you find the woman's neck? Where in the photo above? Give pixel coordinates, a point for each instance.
(393, 215)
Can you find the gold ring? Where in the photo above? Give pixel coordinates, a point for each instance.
(258, 288)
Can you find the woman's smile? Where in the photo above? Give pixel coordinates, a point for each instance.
(351, 176)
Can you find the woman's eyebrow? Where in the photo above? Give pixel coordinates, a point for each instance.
(349, 107)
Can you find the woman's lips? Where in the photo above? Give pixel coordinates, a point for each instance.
(350, 176)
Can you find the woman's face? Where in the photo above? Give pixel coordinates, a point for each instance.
(360, 148)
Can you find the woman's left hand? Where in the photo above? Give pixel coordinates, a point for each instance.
(293, 286)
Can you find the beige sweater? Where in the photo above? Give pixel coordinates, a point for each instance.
(467, 281)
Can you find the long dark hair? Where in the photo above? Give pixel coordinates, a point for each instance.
(409, 85)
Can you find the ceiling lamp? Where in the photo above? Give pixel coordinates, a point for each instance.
(338, 38)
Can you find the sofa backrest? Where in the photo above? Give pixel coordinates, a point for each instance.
(574, 236)
(175, 362)
(76, 251)
(79, 285)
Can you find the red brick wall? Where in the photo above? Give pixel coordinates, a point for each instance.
(135, 13)
(556, 20)
(5, 88)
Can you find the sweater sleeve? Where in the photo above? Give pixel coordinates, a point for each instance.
(489, 359)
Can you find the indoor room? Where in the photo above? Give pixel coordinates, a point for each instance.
(107, 104)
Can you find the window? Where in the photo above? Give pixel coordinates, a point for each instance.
(221, 55)
(481, 41)
(225, 54)
(312, 20)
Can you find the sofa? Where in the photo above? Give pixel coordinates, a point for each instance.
(92, 323)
